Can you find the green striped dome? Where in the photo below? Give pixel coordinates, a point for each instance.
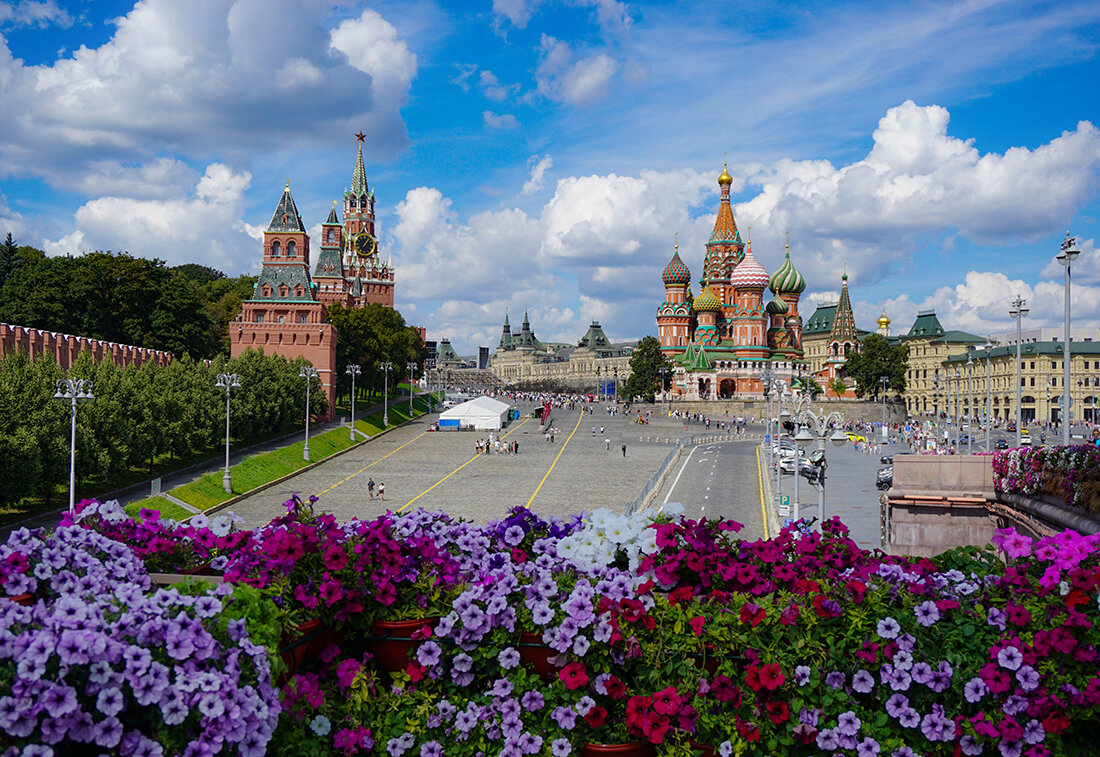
(777, 307)
(787, 280)
(707, 301)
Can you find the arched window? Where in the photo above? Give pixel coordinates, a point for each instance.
(331, 237)
(276, 248)
(291, 249)
(351, 203)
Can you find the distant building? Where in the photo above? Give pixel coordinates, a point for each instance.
(287, 313)
(594, 364)
(723, 340)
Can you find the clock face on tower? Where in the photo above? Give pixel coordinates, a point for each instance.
(365, 244)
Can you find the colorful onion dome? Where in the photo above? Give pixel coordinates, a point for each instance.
(725, 179)
(777, 307)
(787, 280)
(676, 272)
(707, 301)
(749, 274)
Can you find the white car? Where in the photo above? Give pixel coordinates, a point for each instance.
(786, 465)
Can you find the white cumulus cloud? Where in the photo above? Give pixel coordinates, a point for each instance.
(538, 167)
(564, 78)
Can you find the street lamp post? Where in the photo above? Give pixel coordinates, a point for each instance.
(958, 403)
(353, 371)
(664, 371)
(309, 373)
(799, 404)
(970, 404)
(615, 371)
(816, 426)
(1066, 257)
(227, 381)
(73, 391)
(1018, 310)
(386, 367)
(411, 368)
(936, 401)
(988, 394)
(884, 380)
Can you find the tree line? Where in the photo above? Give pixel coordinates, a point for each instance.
(140, 416)
(117, 297)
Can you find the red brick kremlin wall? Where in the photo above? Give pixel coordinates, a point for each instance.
(64, 348)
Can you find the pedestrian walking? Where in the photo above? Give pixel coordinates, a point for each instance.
(381, 491)
(607, 444)
(624, 450)
(370, 488)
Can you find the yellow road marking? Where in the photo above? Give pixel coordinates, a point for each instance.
(563, 445)
(353, 475)
(456, 470)
(763, 506)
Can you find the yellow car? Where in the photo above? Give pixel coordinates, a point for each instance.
(854, 437)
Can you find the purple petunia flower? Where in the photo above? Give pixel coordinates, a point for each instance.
(888, 628)
(1014, 705)
(970, 746)
(431, 749)
(801, 675)
(903, 752)
(927, 613)
(532, 701)
(996, 617)
(462, 662)
(922, 673)
(835, 680)
(1028, 678)
(863, 682)
(848, 723)
(827, 740)
(1010, 658)
(867, 748)
(429, 654)
(1034, 732)
(896, 704)
(909, 718)
(565, 717)
(974, 690)
(508, 658)
(560, 748)
(502, 687)
(1011, 748)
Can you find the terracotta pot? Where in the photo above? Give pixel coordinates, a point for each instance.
(305, 643)
(535, 655)
(202, 569)
(392, 643)
(26, 599)
(630, 749)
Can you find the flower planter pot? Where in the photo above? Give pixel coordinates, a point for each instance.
(22, 599)
(392, 643)
(629, 749)
(535, 655)
(202, 569)
(305, 643)
(702, 750)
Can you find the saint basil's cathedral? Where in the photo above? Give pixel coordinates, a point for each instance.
(287, 313)
(722, 341)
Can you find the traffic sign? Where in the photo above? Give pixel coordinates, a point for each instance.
(784, 500)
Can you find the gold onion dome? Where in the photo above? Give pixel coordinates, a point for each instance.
(676, 272)
(787, 280)
(707, 301)
(725, 179)
(777, 307)
(883, 320)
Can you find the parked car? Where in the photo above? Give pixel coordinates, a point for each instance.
(1002, 444)
(1011, 427)
(885, 478)
(886, 459)
(786, 465)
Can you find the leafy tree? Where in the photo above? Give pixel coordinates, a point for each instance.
(838, 386)
(181, 322)
(813, 387)
(10, 260)
(878, 358)
(369, 336)
(645, 362)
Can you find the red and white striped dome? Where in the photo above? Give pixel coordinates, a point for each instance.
(749, 274)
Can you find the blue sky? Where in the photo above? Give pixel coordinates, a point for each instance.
(532, 155)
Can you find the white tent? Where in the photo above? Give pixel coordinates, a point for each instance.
(481, 414)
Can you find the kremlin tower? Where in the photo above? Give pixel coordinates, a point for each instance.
(287, 313)
(722, 341)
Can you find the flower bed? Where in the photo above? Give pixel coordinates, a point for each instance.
(542, 636)
(1070, 473)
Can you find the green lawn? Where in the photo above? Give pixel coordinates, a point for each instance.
(167, 508)
(264, 468)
